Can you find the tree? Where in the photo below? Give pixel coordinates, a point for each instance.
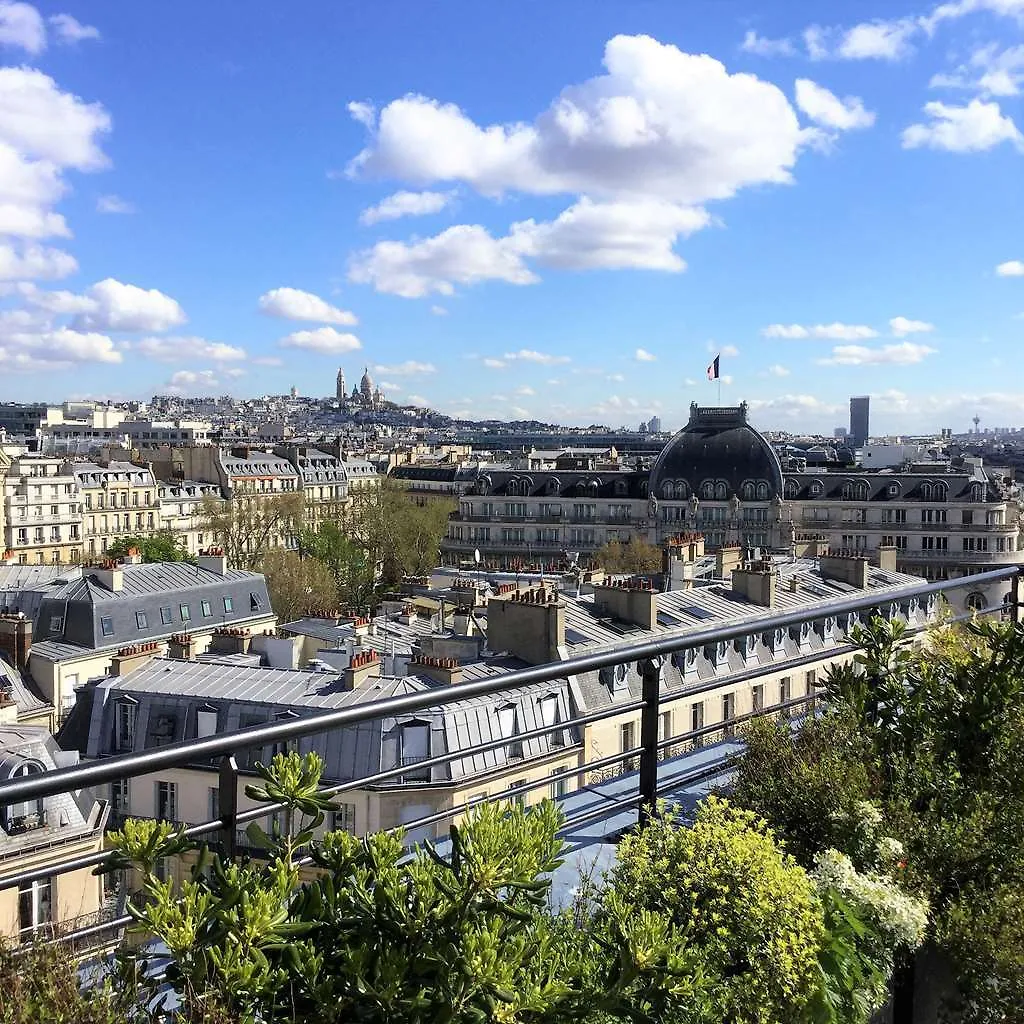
(353, 574)
(298, 586)
(247, 526)
(162, 546)
(636, 556)
(935, 740)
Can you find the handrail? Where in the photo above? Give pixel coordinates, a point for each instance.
(188, 752)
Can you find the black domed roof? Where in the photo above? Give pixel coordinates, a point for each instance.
(719, 446)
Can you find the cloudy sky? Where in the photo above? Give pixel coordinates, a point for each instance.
(558, 210)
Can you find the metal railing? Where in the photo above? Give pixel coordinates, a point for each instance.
(651, 752)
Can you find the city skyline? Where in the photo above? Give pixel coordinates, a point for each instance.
(566, 228)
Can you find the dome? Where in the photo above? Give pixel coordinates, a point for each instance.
(716, 455)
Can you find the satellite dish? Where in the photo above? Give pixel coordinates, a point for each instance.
(476, 555)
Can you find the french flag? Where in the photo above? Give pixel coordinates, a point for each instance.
(713, 369)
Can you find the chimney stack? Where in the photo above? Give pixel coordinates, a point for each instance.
(633, 601)
(679, 555)
(846, 566)
(16, 638)
(362, 667)
(727, 558)
(441, 670)
(213, 560)
(809, 545)
(132, 557)
(887, 557)
(109, 575)
(756, 582)
(182, 647)
(529, 624)
(230, 640)
(128, 659)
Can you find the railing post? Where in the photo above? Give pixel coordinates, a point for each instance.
(227, 804)
(650, 671)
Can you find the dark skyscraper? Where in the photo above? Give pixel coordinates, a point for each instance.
(859, 432)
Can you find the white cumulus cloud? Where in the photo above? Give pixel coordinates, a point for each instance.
(1011, 268)
(116, 306)
(410, 368)
(34, 262)
(972, 128)
(828, 332)
(495, 364)
(325, 340)
(764, 47)
(660, 123)
(643, 356)
(295, 304)
(70, 30)
(529, 355)
(827, 109)
(406, 204)
(176, 349)
(113, 204)
(904, 353)
(776, 370)
(901, 326)
(21, 25)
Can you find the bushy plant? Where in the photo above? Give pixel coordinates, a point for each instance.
(748, 912)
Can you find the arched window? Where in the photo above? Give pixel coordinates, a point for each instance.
(817, 489)
(23, 814)
(592, 488)
(707, 489)
(748, 490)
(860, 490)
(554, 485)
(762, 491)
(581, 489)
(682, 490)
(976, 601)
(977, 492)
(941, 490)
(668, 489)
(721, 490)
(645, 487)
(926, 491)
(620, 488)
(792, 488)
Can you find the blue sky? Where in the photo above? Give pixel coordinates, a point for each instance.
(556, 210)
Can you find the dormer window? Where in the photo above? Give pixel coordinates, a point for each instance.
(125, 715)
(550, 715)
(414, 747)
(508, 729)
(206, 721)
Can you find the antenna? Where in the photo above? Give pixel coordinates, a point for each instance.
(976, 420)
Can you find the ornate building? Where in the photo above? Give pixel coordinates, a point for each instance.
(719, 476)
(339, 390)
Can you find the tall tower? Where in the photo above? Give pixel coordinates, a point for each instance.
(859, 428)
(339, 390)
(977, 422)
(366, 387)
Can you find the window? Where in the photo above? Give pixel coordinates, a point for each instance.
(167, 801)
(206, 608)
(120, 795)
(415, 747)
(893, 515)
(229, 604)
(508, 727)
(728, 713)
(56, 623)
(664, 725)
(757, 697)
(549, 716)
(934, 543)
(344, 819)
(166, 615)
(560, 783)
(124, 724)
(812, 680)
(206, 722)
(933, 515)
(785, 693)
(212, 803)
(35, 907)
(627, 741)
(967, 517)
(185, 612)
(255, 602)
(976, 601)
(141, 620)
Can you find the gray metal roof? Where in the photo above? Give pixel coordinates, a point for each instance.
(22, 690)
(168, 694)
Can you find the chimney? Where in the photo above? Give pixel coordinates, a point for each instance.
(16, 638)
(727, 558)
(109, 575)
(128, 659)
(634, 601)
(213, 560)
(679, 555)
(132, 557)
(756, 582)
(887, 557)
(182, 647)
(230, 640)
(529, 624)
(809, 545)
(441, 670)
(846, 566)
(462, 622)
(362, 667)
